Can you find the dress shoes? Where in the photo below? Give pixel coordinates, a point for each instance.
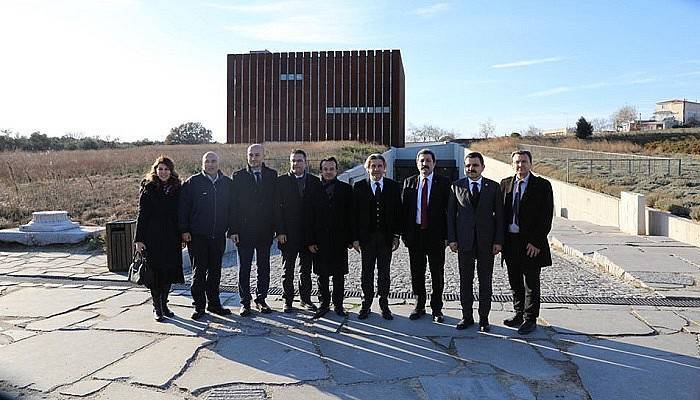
(386, 314)
(527, 327)
(244, 311)
(219, 311)
(262, 306)
(514, 321)
(167, 312)
(340, 311)
(309, 306)
(197, 314)
(321, 311)
(416, 314)
(158, 315)
(287, 308)
(484, 325)
(464, 324)
(364, 313)
(438, 317)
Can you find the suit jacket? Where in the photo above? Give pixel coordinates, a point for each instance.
(536, 211)
(465, 224)
(437, 210)
(365, 209)
(289, 208)
(253, 206)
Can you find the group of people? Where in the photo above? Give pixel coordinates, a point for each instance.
(317, 220)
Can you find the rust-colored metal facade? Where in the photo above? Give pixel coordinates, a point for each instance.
(316, 96)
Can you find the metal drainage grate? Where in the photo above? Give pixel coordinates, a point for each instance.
(237, 394)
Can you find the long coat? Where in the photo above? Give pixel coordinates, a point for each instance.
(484, 224)
(289, 208)
(437, 210)
(536, 211)
(254, 206)
(330, 227)
(157, 228)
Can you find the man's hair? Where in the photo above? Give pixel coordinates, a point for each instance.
(521, 153)
(329, 159)
(475, 154)
(374, 156)
(298, 151)
(425, 151)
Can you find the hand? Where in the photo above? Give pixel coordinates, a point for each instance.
(531, 250)
(139, 246)
(313, 248)
(453, 247)
(395, 244)
(356, 246)
(186, 237)
(282, 238)
(497, 249)
(235, 238)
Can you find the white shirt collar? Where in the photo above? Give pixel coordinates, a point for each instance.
(478, 181)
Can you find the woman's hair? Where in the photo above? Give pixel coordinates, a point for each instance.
(152, 175)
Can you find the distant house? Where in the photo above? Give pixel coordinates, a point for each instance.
(647, 125)
(682, 111)
(559, 132)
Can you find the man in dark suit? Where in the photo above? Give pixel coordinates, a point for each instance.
(475, 232)
(254, 225)
(424, 198)
(377, 205)
(329, 235)
(292, 189)
(528, 207)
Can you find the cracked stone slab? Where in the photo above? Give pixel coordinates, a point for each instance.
(665, 278)
(140, 319)
(57, 358)
(124, 299)
(60, 321)
(84, 388)
(123, 391)
(42, 302)
(596, 322)
(353, 358)
(514, 356)
(359, 391)
(662, 321)
(276, 359)
(638, 368)
(401, 325)
(485, 387)
(17, 334)
(157, 364)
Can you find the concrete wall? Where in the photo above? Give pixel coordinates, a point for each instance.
(663, 223)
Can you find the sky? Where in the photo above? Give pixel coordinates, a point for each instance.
(133, 69)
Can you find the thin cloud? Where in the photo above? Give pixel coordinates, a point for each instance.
(527, 63)
(278, 6)
(431, 10)
(551, 92)
(595, 85)
(694, 73)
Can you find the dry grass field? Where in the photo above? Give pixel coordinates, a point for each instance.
(98, 186)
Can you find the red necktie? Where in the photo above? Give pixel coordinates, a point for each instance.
(424, 205)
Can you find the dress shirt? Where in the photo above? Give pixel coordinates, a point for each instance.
(513, 227)
(420, 191)
(478, 184)
(373, 185)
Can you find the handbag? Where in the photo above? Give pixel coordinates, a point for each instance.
(139, 271)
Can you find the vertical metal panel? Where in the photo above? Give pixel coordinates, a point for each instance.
(378, 96)
(230, 97)
(284, 103)
(299, 98)
(354, 109)
(323, 99)
(291, 69)
(269, 99)
(313, 97)
(370, 95)
(275, 98)
(386, 97)
(254, 99)
(245, 117)
(397, 100)
(338, 95)
(362, 96)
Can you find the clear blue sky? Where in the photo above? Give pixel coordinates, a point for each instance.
(133, 69)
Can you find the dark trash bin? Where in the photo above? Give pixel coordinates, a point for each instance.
(120, 242)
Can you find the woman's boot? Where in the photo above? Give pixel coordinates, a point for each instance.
(157, 304)
(164, 301)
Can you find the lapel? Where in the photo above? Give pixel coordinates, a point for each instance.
(436, 181)
(531, 185)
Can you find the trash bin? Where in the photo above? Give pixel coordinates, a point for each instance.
(120, 241)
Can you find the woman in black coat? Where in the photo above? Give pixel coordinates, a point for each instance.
(329, 235)
(157, 232)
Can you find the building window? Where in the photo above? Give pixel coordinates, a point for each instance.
(291, 77)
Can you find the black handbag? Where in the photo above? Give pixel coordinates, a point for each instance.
(139, 271)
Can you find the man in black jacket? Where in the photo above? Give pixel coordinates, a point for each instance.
(253, 225)
(377, 206)
(204, 217)
(292, 195)
(528, 207)
(424, 199)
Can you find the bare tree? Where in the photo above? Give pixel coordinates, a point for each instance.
(429, 133)
(623, 114)
(600, 124)
(487, 129)
(531, 131)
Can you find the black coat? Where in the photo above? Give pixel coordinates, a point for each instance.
(254, 206)
(157, 228)
(205, 207)
(289, 208)
(536, 212)
(329, 226)
(483, 223)
(437, 210)
(364, 207)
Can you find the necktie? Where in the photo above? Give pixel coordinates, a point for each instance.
(516, 203)
(475, 194)
(377, 191)
(258, 177)
(424, 205)
(300, 185)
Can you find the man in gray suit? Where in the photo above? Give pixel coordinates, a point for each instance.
(475, 232)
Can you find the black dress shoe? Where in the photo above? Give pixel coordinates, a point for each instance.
(416, 313)
(308, 306)
(438, 317)
(244, 311)
(514, 321)
(527, 327)
(262, 306)
(484, 325)
(219, 311)
(158, 315)
(167, 312)
(341, 311)
(464, 324)
(197, 314)
(386, 314)
(321, 312)
(287, 308)
(364, 313)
